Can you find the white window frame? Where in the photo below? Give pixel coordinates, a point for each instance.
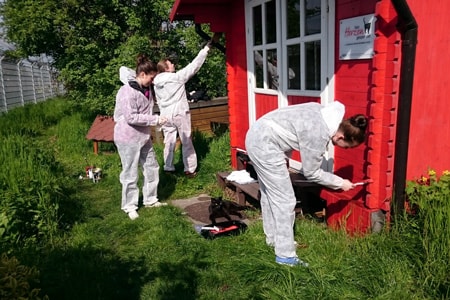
(326, 37)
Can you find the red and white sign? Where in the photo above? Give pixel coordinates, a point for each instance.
(356, 36)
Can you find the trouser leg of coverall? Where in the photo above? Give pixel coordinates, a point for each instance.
(279, 213)
(277, 194)
(269, 221)
(170, 141)
(188, 151)
(129, 156)
(150, 168)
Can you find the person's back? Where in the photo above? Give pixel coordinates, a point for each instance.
(172, 100)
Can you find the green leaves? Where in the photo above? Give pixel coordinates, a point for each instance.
(90, 40)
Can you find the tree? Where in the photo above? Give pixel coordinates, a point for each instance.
(90, 39)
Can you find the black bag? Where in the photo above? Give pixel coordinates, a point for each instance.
(197, 95)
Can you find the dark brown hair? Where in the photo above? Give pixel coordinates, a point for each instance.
(143, 64)
(354, 129)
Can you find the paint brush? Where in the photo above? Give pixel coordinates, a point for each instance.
(367, 181)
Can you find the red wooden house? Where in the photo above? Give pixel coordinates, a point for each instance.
(387, 59)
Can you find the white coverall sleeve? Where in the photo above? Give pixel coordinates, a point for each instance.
(133, 116)
(311, 167)
(191, 69)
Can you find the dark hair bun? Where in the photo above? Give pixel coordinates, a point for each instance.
(141, 59)
(359, 121)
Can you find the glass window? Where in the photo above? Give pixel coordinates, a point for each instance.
(297, 52)
(312, 16)
(293, 53)
(272, 71)
(293, 18)
(271, 22)
(259, 69)
(257, 25)
(312, 76)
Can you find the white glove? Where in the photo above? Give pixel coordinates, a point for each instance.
(162, 120)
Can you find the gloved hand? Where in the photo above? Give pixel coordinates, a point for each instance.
(162, 120)
(347, 185)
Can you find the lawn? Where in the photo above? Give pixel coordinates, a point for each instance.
(96, 252)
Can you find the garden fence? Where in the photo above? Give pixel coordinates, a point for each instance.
(25, 82)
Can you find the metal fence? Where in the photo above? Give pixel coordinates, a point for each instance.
(25, 82)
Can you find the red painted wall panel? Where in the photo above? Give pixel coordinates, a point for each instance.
(237, 78)
(264, 104)
(430, 123)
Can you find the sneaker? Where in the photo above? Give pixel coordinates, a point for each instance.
(133, 215)
(156, 204)
(190, 174)
(291, 261)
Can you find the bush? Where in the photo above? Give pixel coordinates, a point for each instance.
(18, 281)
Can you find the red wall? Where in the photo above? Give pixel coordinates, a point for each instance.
(237, 78)
(370, 86)
(430, 124)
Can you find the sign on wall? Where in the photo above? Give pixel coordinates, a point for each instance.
(356, 36)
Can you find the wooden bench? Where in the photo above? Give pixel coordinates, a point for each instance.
(250, 192)
(243, 192)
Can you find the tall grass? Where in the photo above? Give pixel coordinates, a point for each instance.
(430, 198)
(85, 247)
(31, 186)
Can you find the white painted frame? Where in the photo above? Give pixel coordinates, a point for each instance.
(327, 81)
(326, 92)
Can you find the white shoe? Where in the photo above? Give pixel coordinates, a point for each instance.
(133, 215)
(156, 204)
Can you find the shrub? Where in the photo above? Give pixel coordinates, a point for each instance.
(18, 281)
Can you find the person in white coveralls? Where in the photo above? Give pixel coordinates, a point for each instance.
(170, 92)
(307, 128)
(133, 116)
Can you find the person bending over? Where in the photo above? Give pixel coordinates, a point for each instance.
(307, 128)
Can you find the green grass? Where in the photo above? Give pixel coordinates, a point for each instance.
(101, 254)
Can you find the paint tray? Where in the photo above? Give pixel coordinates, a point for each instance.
(228, 228)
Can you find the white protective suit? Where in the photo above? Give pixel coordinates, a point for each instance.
(305, 127)
(133, 115)
(173, 104)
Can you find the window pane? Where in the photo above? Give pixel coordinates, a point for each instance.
(257, 25)
(312, 60)
(293, 18)
(259, 70)
(272, 72)
(271, 22)
(312, 16)
(294, 67)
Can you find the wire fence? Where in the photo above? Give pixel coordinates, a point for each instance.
(26, 82)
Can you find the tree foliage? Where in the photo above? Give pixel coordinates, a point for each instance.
(90, 39)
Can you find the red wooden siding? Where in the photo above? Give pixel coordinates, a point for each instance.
(237, 78)
(429, 142)
(301, 99)
(264, 104)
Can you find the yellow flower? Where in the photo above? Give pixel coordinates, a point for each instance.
(432, 172)
(446, 172)
(424, 179)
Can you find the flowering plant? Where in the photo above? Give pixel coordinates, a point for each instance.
(429, 197)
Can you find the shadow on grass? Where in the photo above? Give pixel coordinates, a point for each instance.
(99, 274)
(167, 181)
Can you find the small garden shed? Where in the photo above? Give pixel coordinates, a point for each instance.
(384, 58)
